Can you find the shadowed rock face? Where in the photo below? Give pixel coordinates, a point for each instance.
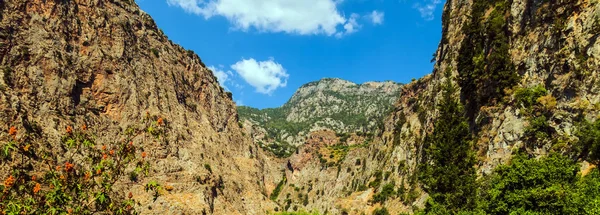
(105, 64)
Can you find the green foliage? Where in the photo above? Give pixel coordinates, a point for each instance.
(278, 189)
(588, 146)
(484, 64)
(154, 187)
(386, 192)
(537, 104)
(447, 170)
(378, 178)
(381, 211)
(207, 167)
(155, 52)
(352, 114)
(36, 183)
(280, 149)
(529, 96)
(549, 185)
(538, 128)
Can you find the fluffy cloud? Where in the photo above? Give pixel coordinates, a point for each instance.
(428, 8)
(376, 17)
(304, 17)
(265, 76)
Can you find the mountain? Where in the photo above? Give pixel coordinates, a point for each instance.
(333, 104)
(80, 81)
(101, 114)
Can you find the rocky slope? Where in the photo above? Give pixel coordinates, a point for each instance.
(106, 65)
(332, 104)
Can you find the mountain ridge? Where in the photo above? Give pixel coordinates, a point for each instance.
(329, 103)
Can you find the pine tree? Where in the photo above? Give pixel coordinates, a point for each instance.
(447, 168)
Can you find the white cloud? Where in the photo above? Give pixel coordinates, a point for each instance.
(304, 17)
(350, 27)
(377, 17)
(222, 76)
(428, 8)
(265, 76)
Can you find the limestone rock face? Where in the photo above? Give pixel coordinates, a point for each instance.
(106, 65)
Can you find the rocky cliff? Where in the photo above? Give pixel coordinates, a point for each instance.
(104, 67)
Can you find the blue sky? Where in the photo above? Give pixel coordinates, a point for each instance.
(263, 50)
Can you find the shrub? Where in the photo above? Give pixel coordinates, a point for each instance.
(155, 52)
(381, 211)
(378, 178)
(37, 183)
(207, 167)
(529, 96)
(386, 192)
(588, 146)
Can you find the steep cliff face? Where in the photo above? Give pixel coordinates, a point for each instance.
(499, 54)
(332, 104)
(106, 65)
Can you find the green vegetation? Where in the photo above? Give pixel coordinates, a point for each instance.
(447, 168)
(528, 97)
(386, 192)
(588, 146)
(278, 189)
(377, 181)
(207, 167)
(155, 52)
(537, 105)
(280, 149)
(36, 183)
(549, 185)
(381, 211)
(484, 65)
(351, 114)
(334, 155)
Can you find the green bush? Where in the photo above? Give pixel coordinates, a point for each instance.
(381, 211)
(378, 178)
(386, 192)
(548, 185)
(538, 129)
(588, 146)
(528, 96)
(36, 183)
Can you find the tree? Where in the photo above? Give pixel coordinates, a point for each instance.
(447, 168)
